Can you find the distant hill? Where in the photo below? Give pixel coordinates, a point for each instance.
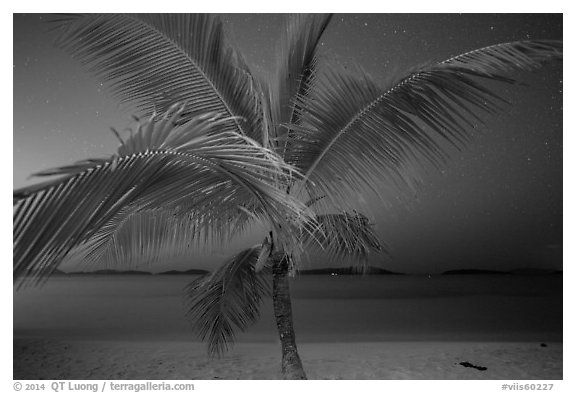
(112, 271)
(347, 271)
(324, 271)
(183, 272)
(134, 272)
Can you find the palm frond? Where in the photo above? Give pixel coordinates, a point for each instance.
(146, 237)
(196, 171)
(355, 134)
(344, 236)
(155, 60)
(227, 301)
(297, 61)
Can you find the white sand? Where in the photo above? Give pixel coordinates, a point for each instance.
(43, 359)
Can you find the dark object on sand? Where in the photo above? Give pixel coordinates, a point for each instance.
(543, 344)
(466, 364)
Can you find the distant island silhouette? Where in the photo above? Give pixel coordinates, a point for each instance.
(189, 271)
(132, 272)
(330, 271)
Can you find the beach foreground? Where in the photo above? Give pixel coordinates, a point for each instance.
(49, 359)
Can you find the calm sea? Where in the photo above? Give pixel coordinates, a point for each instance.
(326, 308)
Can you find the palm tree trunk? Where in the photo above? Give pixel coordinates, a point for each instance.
(291, 363)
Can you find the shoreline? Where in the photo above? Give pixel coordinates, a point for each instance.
(147, 360)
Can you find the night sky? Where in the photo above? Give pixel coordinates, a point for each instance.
(497, 206)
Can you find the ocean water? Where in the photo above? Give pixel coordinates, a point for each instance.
(326, 308)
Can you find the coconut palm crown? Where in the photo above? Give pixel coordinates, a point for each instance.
(218, 149)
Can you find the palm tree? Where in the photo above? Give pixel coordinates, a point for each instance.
(220, 149)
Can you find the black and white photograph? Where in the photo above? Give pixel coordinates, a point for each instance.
(274, 196)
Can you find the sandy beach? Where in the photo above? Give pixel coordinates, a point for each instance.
(347, 328)
(39, 359)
